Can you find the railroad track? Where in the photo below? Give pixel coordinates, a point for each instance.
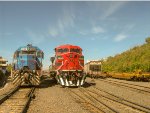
(132, 106)
(97, 100)
(16, 101)
(139, 88)
(91, 103)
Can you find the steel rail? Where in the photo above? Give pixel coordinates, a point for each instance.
(130, 84)
(8, 94)
(15, 95)
(85, 101)
(30, 95)
(113, 110)
(132, 104)
(112, 82)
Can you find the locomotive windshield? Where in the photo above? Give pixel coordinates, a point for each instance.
(75, 50)
(63, 50)
(28, 52)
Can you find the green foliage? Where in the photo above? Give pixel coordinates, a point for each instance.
(9, 67)
(147, 40)
(1, 73)
(137, 58)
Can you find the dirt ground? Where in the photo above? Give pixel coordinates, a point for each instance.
(6, 88)
(52, 98)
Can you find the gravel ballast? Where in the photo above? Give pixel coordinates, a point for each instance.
(53, 98)
(124, 92)
(6, 88)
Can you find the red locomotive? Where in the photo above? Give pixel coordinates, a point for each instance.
(68, 65)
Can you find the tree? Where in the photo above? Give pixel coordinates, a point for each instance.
(147, 40)
(136, 58)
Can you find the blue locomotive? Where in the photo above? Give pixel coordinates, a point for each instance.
(27, 65)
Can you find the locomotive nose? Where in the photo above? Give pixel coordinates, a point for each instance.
(75, 56)
(73, 62)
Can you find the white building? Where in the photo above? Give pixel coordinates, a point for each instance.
(3, 64)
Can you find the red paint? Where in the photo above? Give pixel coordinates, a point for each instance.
(70, 59)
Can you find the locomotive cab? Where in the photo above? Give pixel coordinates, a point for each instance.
(67, 65)
(27, 65)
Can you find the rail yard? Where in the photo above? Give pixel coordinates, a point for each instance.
(74, 57)
(17, 100)
(69, 85)
(95, 96)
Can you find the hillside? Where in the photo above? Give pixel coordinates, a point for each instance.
(135, 59)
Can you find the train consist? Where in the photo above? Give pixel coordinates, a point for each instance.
(93, 69)
(68, 65)
(27, 65)
(134, 76)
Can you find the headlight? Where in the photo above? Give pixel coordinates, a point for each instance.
(33, 71)
(59, 57)
(81, 57)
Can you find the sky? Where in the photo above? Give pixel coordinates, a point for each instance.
(100, 28)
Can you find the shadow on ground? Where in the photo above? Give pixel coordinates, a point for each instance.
(88, 84)
(49, 82)
(85, 85)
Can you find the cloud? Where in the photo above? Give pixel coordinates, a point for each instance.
(105, 9)
(63, 23)
(93, 30)
(36, 38)
(67, 19)
(97, 29)
(53, 32)
(6, 34)
(125, 30)
(129, 27)
(83, 32)
(120, 37)
(112, 8)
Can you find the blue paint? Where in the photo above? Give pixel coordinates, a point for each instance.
(28, 56)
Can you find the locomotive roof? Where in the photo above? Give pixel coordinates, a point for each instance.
(28, 46)
(94, 62)
(68, 46)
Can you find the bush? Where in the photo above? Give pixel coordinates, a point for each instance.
(147, 40)
(2, 79)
